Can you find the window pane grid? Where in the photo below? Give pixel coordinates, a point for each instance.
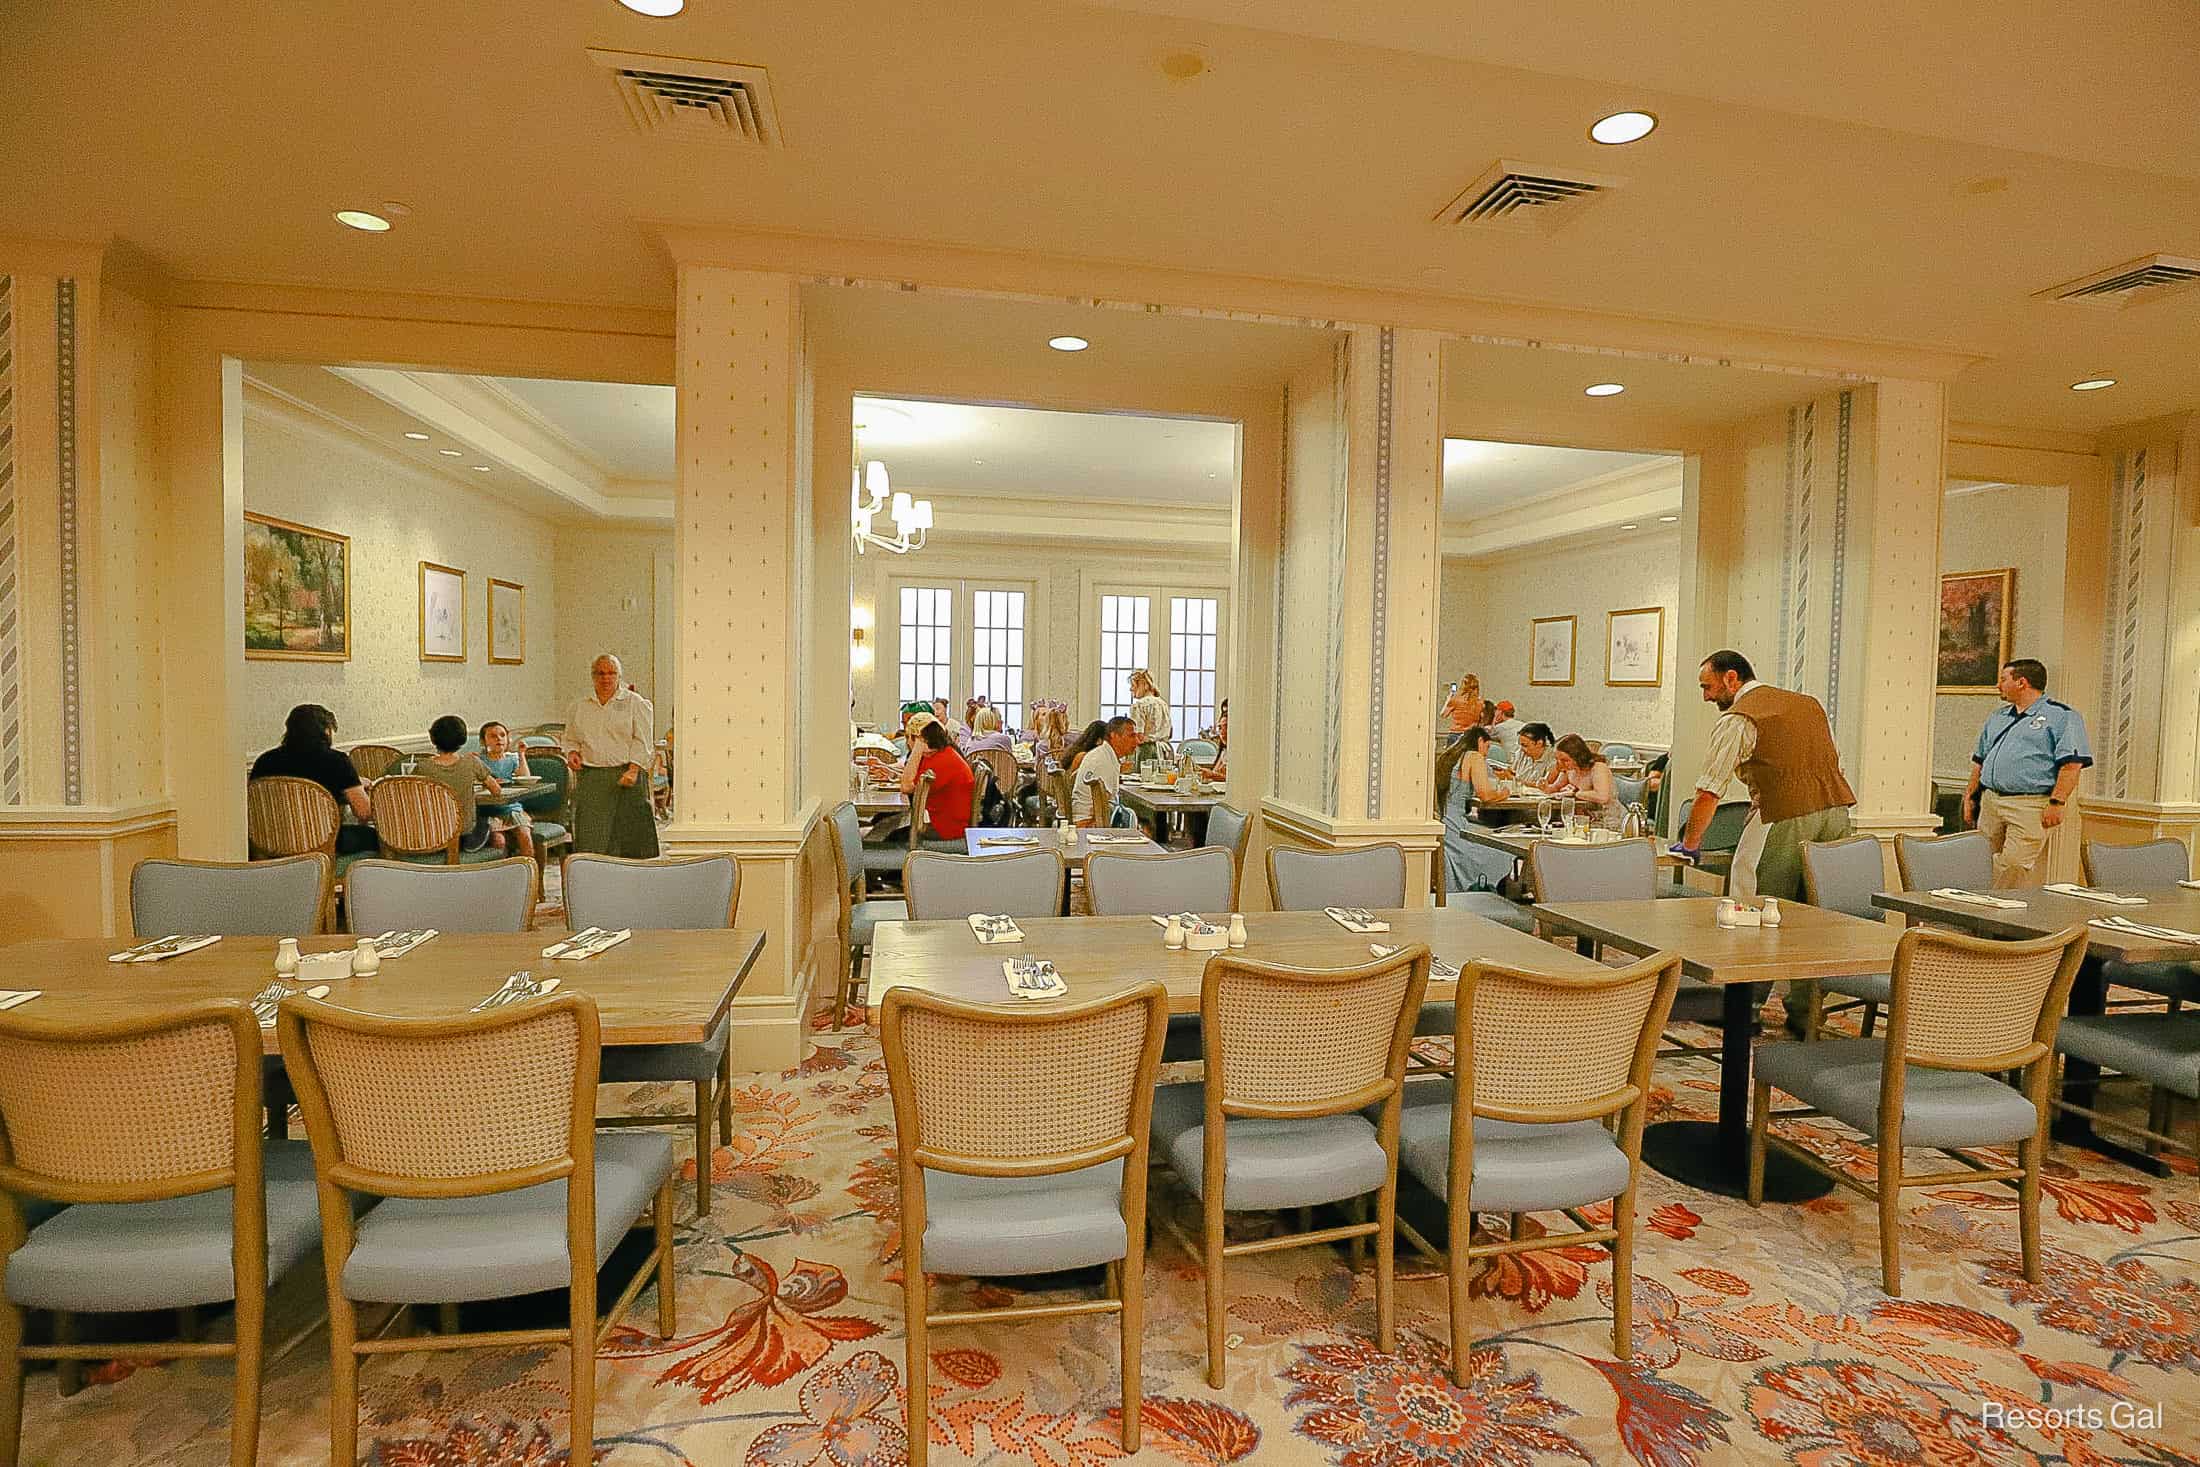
(997, 652)
(1124, 630)
(1192, 643)
(927, 637)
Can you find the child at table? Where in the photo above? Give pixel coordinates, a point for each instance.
(508, 824)
(459, 773)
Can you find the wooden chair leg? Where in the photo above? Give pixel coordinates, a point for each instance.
(914, 1304)
(581, 1323)
(1210, 1242)
(1131, 1290)
(11, 1384)
(667, 1309)
(704, 1105)
(725, 1097)
(1386, 1263)
(1814, 1009)
(1871, 1016)
(1458, 1272)
(69, 1374)
(1890, 1215)
(2029, 1155)
(1623, 1275)
(343, 1388)
(446, 1319)
(244, 1418)
(847, 988)
(1760, 1115)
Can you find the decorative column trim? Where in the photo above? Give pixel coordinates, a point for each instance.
(1840, 555)
(72, 699)
(1386, 360)
(2120, 672)
(1795, 608)
(1340, 483)
(11, 651)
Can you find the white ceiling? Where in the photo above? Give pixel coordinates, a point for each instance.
(962, 448)
(625, 428)
(1481, 477)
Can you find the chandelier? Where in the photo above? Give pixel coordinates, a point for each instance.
(870, 494)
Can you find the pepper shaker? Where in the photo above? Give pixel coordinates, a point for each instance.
(366, 959)
(286, 958)
(1771, 914)
(1237, 929)
(1172, 936)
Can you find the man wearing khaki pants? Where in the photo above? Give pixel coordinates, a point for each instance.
(2024, 780)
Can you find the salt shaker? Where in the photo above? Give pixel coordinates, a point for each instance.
(1726, 912)
(1237, 929)
(1770, 917)
(286, 957)
(1172, 936)
(366, 959)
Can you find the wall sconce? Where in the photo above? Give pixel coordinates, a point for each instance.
(857, 634)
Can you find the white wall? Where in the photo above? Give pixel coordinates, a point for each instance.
(607, 602)
(1488, 604)
(1984, 527)
(300, 469)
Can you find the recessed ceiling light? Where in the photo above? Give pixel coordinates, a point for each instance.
(448, 452)
(977, 460)
(362, 220)
(1185, 64)
(1668, 519)
(655, 9)
(2093, 384)
(1604, 389)
(481, 468)
(1068, 343)
(1630, 527)
(417, 437)
(1623, 127)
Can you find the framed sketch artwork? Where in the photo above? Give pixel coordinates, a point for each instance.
(507, 621)
(442, 613)
(297, 592)
(1975, 611)
(1634, 647)
(1551, 652)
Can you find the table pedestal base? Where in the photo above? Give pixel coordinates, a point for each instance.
(1691, 1152)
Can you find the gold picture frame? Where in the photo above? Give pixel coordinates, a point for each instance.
(1546, 647)
(507, 622)
(1977, 610)
(442, 613)
(1634, 647)
(295, 572)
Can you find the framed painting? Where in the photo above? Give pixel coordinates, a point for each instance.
(1634, 647)
(297, 592)
(507, 621)
(1551, 652)
(1976, 608)
(442, 613)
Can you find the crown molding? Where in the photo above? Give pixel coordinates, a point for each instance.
(1640, 493)
(906, 264)
(2002, 435)
(402, 306)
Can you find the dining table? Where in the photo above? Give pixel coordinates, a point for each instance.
(1102, 955)
(657, 987)
(2046, 912)
(872, 800)
(998, 840)
(1517, 841)
(1810, 942)
(1157, 804)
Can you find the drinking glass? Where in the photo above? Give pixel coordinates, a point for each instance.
(1566, 812)
(1543, 809)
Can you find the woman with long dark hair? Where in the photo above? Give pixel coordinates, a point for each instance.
(1462, 778)
(308, 751)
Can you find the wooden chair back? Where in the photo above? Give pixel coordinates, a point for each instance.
(415, 816)
(1541, 1047)
(375, 760)
(1959, 1002)
(918, 799)
(288, 816)
(1283, 1041)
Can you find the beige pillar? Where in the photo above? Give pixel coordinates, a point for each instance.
(1356, 601)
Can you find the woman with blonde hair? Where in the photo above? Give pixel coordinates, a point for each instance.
(986, 733)
(1149, 714)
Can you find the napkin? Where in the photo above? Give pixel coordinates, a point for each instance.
(270, 999)
(397, 944)
(1114, 838)
(15, 997)
(521, 985)
(1033, 978)
(2195, 885)
(1008, 840)
(2095, 894)
(995, 929)
(1437, 967)
(587, 944)
(161, 948)
(1975, 898)
(2141, 929)
(1356, 919)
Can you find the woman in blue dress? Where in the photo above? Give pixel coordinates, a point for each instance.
(1463, 776)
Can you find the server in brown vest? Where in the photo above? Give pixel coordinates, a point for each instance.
(1781, 746)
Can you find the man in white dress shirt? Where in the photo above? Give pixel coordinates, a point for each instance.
(610, 743)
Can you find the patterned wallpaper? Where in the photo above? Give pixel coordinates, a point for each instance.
(11, 648)
(130, 518)
(1309, 599)
(2020, 525)
(397, 516)
(598, 572)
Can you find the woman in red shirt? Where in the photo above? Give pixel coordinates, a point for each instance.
(947, 809)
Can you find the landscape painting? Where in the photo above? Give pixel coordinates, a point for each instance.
(297, 592)
(1975, 612)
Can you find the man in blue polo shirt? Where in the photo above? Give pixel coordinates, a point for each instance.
(2024, 780)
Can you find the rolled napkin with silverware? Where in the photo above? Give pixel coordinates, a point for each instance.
(16, 997)
(397, 944)
(587, 943)
(1438, 969)
(1975, 898)
(517, 988)
(2095, 894)
(162, 948)
(1356, 919)
(2144, 929)
(269, 1000)
(992, 929)
(1033, 978)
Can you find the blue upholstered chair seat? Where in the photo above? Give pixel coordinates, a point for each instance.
(124, 1256)
(550, 833)
(864, 918)
(1939, 1107)
(1017, 1225)
(626, 1063)
(2161, 1049)
(1872, 987)
(439, 1250)
(1517, 1168)
(1270, 1163)
(887, 860)
(1489, 905)
(2171, 979)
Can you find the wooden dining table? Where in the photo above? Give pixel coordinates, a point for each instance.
(997, 840)
(657, 987)
(1810, 942)
(1517, 841)
(2046, 912)
(1160, 803)
(1101, 955)
(872, 800)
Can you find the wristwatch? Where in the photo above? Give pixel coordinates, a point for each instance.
(2053, 801)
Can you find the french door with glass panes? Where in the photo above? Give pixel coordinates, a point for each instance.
(1178, 634)
(956, 638)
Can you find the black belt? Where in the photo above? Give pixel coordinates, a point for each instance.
(2016, 794)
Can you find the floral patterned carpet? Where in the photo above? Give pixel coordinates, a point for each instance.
(1761, 1336)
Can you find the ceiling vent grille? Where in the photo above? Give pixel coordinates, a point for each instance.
(2131, 284)
(698, 101)
(1526, 198)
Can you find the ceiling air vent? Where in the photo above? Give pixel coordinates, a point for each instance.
(701, 101)
(1526, 198)
(2134, 283)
